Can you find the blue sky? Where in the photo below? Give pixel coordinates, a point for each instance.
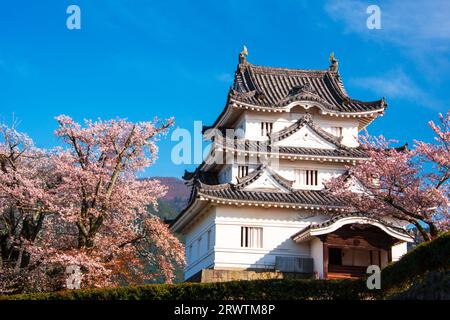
(140, 59)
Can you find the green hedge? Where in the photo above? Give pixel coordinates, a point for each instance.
(397, 277)
(413, 266)
(305, 289)
(435, 286)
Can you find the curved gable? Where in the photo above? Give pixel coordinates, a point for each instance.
(304, 133)
(306, 137)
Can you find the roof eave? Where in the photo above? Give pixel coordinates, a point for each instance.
(269, 204)
(185, 217)
(294, 156)
(311, 231)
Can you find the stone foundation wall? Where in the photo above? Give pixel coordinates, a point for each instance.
(211, 275)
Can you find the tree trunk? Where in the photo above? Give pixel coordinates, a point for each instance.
(87, 233)
(433, 230)
(423, 232)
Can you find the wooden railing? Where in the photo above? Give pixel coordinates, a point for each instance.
(341, 272)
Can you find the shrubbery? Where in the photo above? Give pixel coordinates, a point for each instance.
(235, 290)
(397, 277)
(413, 266)
(435, 286)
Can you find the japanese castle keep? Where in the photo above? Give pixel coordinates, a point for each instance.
(257, 206)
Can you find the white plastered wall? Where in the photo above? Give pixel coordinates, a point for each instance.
(278, 227)
(200, 256)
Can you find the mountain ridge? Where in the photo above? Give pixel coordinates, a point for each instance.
(175, 199)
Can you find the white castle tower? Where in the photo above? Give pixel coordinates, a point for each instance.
(257, 207)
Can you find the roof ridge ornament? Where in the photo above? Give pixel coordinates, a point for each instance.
(305, 87)
(333, 63)
(243, 56)
(307, 117)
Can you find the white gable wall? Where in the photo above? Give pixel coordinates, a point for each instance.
(305, 138)
(349, 128)
(287, 169)
(250, 122)
(266, 182)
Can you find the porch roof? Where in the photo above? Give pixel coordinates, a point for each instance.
(330, 225)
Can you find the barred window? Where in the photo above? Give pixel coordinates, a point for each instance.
(251, 237)
(307, 177)
(242, 171)
(266, 128)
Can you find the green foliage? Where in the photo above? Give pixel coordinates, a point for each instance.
(413, 266)
(397, 277)
(164, 211)
(236, 290)
(435, 286)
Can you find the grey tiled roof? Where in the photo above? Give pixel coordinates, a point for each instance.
(297, 197)
(237, 192)
(261, 146)
(245, 145)
(277, 87)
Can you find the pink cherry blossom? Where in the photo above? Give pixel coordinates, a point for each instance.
(86, 204)
(407, 185)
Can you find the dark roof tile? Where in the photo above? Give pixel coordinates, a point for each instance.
(277, 87)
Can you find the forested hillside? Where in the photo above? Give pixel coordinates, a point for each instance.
(175, 199)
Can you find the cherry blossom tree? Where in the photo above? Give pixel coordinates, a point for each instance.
(101, 197)
(410, 186)
(27, 185)
(99, 220)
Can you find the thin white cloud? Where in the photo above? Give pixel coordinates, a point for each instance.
(421, 28)
(407, 23)
(224, 77)
(15, 67)
(351, 12)
(396, 84)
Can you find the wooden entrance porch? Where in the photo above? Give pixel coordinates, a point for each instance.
(349, 250)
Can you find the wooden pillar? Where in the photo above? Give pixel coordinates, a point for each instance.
(389, 254)
(325, 259)
(379, 259)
